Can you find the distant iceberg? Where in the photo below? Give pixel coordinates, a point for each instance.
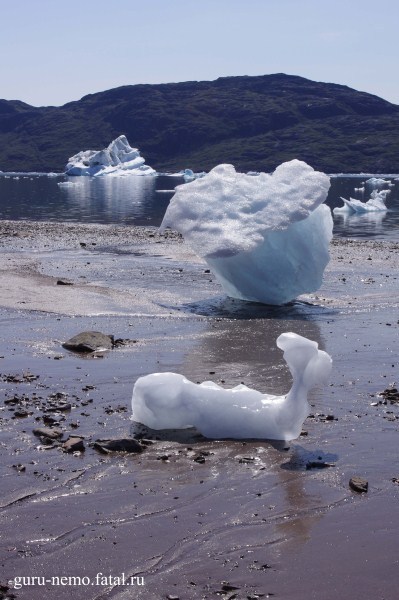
(375, 204)
(376, 182)
(266, 237)
(118, 159)
(189, 174)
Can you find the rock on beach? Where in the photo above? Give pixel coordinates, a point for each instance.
(89, 341)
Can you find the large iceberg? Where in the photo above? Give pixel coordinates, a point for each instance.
(170, 401)
(118, 159)
(265, 237)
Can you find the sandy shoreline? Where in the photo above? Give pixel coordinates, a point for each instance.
(249, 515)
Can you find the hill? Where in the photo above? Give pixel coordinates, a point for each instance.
(253, 122)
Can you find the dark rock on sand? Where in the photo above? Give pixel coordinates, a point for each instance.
(49, 420)
(358, 484)
(89, 341)
(73, 444)
(25, 377)
(21, 413)
(52, 434)
(120, 445)
(199, 459)
(59, 407)
(391, 395)
(228, 587)
(5, 592)
(63, 282)
(20, 468)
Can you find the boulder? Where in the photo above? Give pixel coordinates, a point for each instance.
(89, 341)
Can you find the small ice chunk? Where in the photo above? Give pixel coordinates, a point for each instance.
(266, 237)
(188, 174)
(116, 160)
(376, 203)
(170, 401)
(376, 182)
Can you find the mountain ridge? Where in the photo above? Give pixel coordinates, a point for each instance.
(253, 122)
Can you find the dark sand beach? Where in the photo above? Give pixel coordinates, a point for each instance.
(191, 518)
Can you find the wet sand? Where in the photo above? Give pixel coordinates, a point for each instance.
(195, 518)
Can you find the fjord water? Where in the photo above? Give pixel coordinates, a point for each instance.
(143, 201)
(130, 200)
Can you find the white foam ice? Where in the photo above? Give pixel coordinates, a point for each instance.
(266, 237)
(68, 183)
(170, 401)
(118, 159)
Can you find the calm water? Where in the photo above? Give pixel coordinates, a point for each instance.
(143, 201)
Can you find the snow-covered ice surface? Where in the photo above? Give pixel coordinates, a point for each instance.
(266, 237)
(116, 160)
(170, 401)
(376, 203)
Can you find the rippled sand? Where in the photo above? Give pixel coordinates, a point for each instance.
(193, 517)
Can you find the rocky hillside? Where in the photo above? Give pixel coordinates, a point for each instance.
(253, 122)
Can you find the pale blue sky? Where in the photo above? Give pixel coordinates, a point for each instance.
(54, 51)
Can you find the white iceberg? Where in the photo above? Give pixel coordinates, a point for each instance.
(376, 203)
(118, 159)
(376, 182)
(266, 237)
(170, 401)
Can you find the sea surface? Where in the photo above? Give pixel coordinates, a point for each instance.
(143, 201)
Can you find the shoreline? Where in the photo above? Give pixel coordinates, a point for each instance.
(249, 515)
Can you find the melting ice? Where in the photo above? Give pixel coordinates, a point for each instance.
(266, 237)
(376, 203)
(118, 159)
(170, 401)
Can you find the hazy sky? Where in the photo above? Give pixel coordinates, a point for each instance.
(54, 51)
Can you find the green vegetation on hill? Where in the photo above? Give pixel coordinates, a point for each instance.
(254, 123)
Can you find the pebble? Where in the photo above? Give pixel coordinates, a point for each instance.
(358, 484)
(63, 282)
(21, 412)
(20, 468)
(73, 444)
(199, 459)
